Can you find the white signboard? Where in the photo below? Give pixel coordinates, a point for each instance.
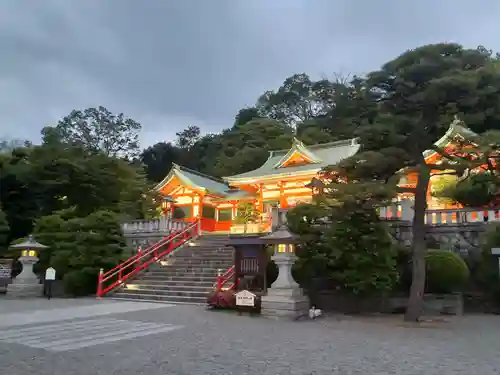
(495, 251)
(50, 274)
(245, 298)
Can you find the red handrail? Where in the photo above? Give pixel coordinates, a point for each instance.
(140, 261)
(224, 278)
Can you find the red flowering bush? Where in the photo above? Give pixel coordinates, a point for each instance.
(222, 299)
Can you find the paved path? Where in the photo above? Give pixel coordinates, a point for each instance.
(88, 337)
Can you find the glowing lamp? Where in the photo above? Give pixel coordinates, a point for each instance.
(166, 203)
(282, 240)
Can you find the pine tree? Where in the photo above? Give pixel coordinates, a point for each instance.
(4, 232)
(362, 255)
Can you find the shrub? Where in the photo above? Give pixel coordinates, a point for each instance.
(361, 255)
(446, 272)
(246, 214)
(403, 262)
(222, 299)
(178, 213)
(4, 232)
(82, 282)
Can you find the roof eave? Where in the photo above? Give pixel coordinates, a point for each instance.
(250, 180)
(299, 147)
(165, 181)
(456, 128)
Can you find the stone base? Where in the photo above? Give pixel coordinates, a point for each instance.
(434, 304)
(25, 290)
(285, 304)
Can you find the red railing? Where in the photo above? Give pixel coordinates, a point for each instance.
(226, 278)
(116, 276)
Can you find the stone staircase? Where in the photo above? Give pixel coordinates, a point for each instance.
(184, 277)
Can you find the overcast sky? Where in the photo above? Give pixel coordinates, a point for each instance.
(169, 64)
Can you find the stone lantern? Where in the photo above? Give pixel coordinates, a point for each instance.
(285, 298)
(26, 284)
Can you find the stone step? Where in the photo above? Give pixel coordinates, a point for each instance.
(170, 261)
(194, 254)
(200, 255)
(196, 263)
(171, 283)
(174, 274)
(212, 244)
(200, 293)
(192, 268)
(180, 279)
(188, 268)
(173, 293)
(159, 298)
(198, 288)
(187, 276)
(204, 254)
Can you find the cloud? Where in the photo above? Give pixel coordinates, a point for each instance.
(169, 64)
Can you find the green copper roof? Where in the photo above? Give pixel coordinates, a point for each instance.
(195, 180)
(322, 156)
(299, 147)
(236, 195)
(457, 129)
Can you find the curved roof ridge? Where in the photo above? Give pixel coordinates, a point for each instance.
(192, 171)
(342, 142)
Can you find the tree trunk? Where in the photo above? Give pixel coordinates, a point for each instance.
(415, 302)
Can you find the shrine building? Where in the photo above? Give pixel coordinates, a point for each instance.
(285, 179)
(282, 180)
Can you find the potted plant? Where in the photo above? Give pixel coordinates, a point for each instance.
(246, 214)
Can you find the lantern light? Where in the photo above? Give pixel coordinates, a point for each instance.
(282, 239)
(166, 203)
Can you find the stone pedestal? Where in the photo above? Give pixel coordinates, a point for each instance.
(26, 284)
(285, 298)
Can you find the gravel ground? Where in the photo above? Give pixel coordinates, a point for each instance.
(207, 342)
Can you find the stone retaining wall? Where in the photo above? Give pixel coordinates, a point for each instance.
(434, 304)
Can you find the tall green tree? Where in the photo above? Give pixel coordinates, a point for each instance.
(245, 115)
(188, 137)
(18, 202)
(80, 246)
(68, 177)
(158, 159)
(246, 147)
(297, 100)
(97, 130)
(418, 93)
(39, 180)
(4, 232)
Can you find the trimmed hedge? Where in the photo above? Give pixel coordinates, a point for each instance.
(446, 272)
(79, 283)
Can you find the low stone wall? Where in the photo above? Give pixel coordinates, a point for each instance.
(4, 282)
(434, 304)
(57, 289)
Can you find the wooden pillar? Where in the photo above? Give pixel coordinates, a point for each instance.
(283, 202)
(193, 207)
(197, 205)
(233, 211)
(261, 199)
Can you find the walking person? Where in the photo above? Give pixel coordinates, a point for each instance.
(50, 278)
